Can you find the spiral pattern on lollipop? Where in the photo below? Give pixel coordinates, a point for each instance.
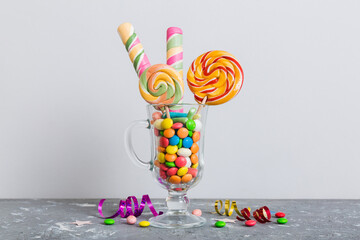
(216, 75)
(161, 84)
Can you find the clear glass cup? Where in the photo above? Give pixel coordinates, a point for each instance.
(175, 166)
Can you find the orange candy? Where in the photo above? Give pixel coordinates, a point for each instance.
(183, 133)
(169, 132)
(170, 157)
(194, 158)
(186, 178)
(194, 148)
(175, 179)
(157, 163)
(161, 149)
(196, 136)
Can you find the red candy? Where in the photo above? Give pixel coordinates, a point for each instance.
(156, 132)
(177, 125)
(162, 174)
(180, 162)
(250, 223)
(192, 171)
(279, 214)
(172, 171)
(164, 142)
(164, 167)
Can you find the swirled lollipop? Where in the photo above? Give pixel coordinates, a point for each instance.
(215, 77)
(161, 84)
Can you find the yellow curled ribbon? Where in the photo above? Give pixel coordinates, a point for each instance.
(229, 208)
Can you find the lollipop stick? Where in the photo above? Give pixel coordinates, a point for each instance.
(167, 111)
(202, 105)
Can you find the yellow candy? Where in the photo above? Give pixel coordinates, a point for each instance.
(161, 157)
(167, 123)
(195, 165)
(196, 116)
(182, 171)
(144, 224)
(171, 149)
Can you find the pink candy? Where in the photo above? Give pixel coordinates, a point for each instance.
(131, 219)
(197, 212)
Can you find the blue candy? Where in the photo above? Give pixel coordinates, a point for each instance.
(174, 140)
(175, 115)
(187, 142)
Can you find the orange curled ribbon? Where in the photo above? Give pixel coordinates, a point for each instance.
(229, 209)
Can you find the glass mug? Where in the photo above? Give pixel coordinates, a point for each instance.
(177, 158)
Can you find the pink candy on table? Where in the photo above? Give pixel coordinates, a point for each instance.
(131, 219)
(197, 212)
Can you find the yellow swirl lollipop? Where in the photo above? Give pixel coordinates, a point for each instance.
(215, 77)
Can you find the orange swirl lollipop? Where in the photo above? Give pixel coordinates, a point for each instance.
(215, 77)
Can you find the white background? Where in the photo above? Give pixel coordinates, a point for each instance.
(68, 91)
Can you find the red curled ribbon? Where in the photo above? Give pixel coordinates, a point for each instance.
(262, 215)
(128, 206)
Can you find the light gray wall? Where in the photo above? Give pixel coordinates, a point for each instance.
(68, 91)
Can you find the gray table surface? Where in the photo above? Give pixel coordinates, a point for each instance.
(51, 219)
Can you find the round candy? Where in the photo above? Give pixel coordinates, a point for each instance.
(279, 214)
(157, 163)
(164, 142)
(161, 149)
(182, 171)
(156, 115)
(184, 152)
(186, 178)
(167, 123)
(196, 116)
(187, 142)
(250, 223)
(131, 220)
(162, 174)
(169, 133)
(161, 83)
(196, 136)
(194, 159)
(171, 149)
(161, 157)
(161, 132)
(190, 124)
(157, 124)
(180, 162)
(172, 171)
(194, 148)
(170, 164)
(170, 157)
(220, 224)
(174, 140)
(282, 220)
(109, 221)
(164, 167)
(144, 224)
(175, 179)
(197, 212)
(182, 133)
(156, 132)
(198, 125)
(192, 171)
(216, 75)
(188, 162)
(190, 133)
(195, 165)
(177, 125)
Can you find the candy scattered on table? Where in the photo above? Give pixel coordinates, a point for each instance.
(279, 214)
(220, 224)
(131, 219)
(197, 212)
(282, 220)
(144, 224)
(250, 223)
(109, 221)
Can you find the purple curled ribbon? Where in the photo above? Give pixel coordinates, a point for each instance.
(128, 206)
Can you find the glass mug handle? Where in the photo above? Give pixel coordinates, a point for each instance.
(129, 143)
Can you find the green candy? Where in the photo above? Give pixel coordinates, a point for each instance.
(190, 124)
(180, 143)
(282, 220)
(170, 164)
(109, 221)
(191, 113)
(190, 133)
(220, 224)
(180, 119)
(162, 132)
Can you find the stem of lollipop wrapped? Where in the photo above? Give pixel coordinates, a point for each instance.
(201, 106)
